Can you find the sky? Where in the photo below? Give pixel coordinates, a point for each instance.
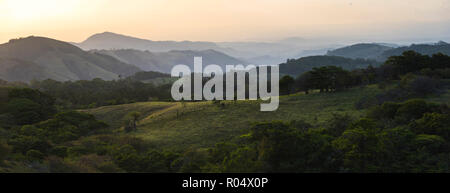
(227, 20)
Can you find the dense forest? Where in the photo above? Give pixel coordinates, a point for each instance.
(398, 130)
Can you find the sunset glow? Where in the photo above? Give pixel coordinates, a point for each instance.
(221, 20)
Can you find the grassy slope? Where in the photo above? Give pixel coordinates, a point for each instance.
(202, 124)
(116, 114)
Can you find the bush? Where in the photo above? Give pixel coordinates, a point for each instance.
(434, 124)
(410, 110)
(76, 151)
(338, 123)
(35, 155)
(60, 151)
(220, 151)
(5, 149)
(58, 165)
(24, 111)
(23, 144)
(422, 86)
(366, 102)
(387, 110)
(242, 160)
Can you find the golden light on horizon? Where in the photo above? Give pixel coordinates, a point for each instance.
(216, 20)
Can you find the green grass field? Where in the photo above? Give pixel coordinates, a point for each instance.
(177, 125)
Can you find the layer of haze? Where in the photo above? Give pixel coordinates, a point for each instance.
(226, 20)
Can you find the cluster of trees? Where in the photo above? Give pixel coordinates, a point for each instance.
(410, 62)
(19, 106)
(412, 136)
(295, 67)
(45, 138)
(98, 92)
(332, 78)
(31, 127)
(33, 131)
(327, 79)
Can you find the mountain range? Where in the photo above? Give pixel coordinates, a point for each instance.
(109, 40)
(112, 56)
(258, 53)
(39, 58)
(164, 61)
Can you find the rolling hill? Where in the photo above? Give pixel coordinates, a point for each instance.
(381, 52)
(164, 61)
(43, 58)
(177, 126)
(428, 49)
(364, 51)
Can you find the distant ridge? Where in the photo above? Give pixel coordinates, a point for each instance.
(109, 40)
(363, 50)
(164, 61)
(427, 49)
(45, 58)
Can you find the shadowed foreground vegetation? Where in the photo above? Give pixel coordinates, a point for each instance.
(393, 118)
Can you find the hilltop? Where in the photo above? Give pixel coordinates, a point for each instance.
(426, 49)
(109, 40)
(380, 52)
(57, 60)
(363, 50)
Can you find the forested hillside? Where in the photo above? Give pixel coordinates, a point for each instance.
(391, 118)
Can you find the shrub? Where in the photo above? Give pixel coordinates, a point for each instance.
(433, 123)
(410, 110)
(338, 123)
(58, 165)
(22, 144)
(422, 86)
(35, 155)
(60, 151)
(5, 149)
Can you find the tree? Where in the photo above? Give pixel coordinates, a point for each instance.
(133, 118)
(357, 146)
(338, 124)
(411, 110)
(432, 123)
(304, 82)
(326, 79)
(286, 85)
(24, 111)
(409, 61)
(242, 160)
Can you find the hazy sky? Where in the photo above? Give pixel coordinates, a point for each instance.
(226, 20)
